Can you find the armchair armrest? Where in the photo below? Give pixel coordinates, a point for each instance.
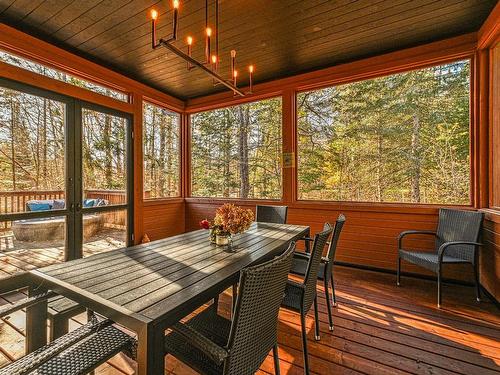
(300, 255)
(215, 352)
(444, 246)
(408, 232)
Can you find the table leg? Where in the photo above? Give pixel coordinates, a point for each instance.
(150, 351)
(36, 323)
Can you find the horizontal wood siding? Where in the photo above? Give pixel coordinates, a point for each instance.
(164, 219)
(490, 255)
(369, 237)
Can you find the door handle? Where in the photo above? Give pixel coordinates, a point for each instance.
(78, 207)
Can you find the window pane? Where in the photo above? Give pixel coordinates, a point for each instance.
(104, 159)
(236, 151)
(60, 76)
(32, 160)
(161, 149)
(399, 138)
(104, 231)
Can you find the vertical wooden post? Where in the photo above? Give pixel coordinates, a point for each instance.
(138, 168)
(185, 155)
(289, 131)
(482, 135)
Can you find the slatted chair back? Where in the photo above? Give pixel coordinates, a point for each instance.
(255, 324)
(332, 248)
(311, 276)
(459, 225)
(271, 214)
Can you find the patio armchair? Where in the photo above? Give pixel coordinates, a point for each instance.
(456, 242)
(301, 260)
(76, 353)
(300, 296)
(271, 214)
(212, 344)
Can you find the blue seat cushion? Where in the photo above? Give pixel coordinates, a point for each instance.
(39, 206)
(87, 203)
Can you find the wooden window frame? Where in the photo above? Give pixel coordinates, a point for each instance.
(347, 81)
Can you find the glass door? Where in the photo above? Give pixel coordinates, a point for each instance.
(35, 178)
(106, 178)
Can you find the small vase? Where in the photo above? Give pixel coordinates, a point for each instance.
(213, 236)
(223, 239)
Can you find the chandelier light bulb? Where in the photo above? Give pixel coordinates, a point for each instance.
(235, 74)
(209, 32)
(250, 68)
(154, 14)
(176, 4)
(214, 59)
(233, 53)
(189, 40)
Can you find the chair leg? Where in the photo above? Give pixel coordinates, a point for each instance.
(304, 343)
(398, 273)
(235, 295)
(329, 307)
(316, 320)
(276, 360)
(334, 298)
(439, 286)
(476, 279)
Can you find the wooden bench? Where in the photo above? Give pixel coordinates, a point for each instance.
(76, 353)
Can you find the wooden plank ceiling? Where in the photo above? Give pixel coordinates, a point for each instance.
(281, 38)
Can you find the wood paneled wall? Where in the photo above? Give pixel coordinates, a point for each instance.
(164, 218)
(490, 254)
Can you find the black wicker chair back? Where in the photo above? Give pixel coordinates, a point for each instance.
(311, 276)
(458, 225)
(254, 327)
(271, 214)
(339, 224)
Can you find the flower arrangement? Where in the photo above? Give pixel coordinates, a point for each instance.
(229, 219)
(233, 219)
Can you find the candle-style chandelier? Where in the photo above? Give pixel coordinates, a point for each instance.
(211, 63)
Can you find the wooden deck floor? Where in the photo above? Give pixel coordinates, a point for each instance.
(18, 256)
(379, 329)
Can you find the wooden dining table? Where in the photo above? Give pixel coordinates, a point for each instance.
(148, 288)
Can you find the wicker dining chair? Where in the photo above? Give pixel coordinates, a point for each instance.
(301, 260)
(271, 214)
(456, 242)
(300, 296)
(212, 344)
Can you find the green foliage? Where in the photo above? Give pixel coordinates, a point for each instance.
(400, 138)
(161, 150)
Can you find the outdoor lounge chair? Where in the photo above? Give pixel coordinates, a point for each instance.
(456, 242)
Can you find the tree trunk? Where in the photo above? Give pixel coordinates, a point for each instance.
(14, 116)
(244, 114)
(415, 156)
(162, 158)
(108, 171)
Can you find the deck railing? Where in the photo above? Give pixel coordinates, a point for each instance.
(15, 201)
